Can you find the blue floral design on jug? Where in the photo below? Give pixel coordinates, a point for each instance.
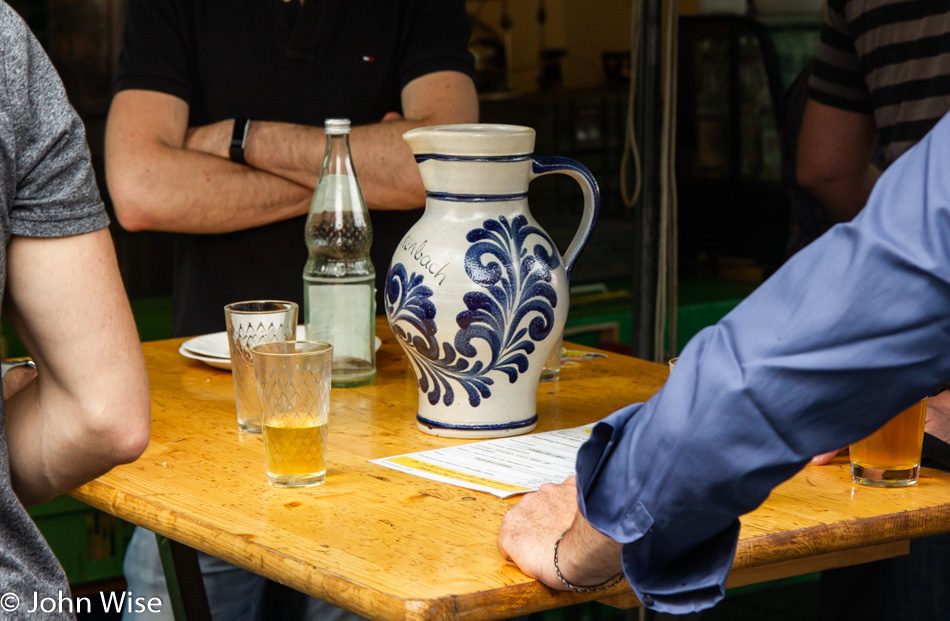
(514, 311)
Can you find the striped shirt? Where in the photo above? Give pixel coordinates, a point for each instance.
(889, 58)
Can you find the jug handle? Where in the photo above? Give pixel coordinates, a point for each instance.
(541, 166)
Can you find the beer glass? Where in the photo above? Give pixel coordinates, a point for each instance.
(890, 457)
(293, 384)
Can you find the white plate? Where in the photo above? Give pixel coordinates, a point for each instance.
(213, 348)
(218, 363)
(208, 345)
(215, 345)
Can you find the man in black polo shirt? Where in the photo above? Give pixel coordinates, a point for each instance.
(215, 133)
(190, 69)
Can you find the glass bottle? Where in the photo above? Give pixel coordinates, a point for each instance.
(339, 291)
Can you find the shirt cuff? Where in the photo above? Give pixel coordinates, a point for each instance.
(599, 501)
(696, 580)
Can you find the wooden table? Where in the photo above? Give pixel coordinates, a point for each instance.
(393, 546)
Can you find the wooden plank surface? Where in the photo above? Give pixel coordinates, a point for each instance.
(389, 545)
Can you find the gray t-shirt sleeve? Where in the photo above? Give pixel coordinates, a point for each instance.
(49, 185)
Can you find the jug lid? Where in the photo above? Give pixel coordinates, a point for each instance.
(471, 139)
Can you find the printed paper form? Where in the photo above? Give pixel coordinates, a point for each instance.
(502, 467)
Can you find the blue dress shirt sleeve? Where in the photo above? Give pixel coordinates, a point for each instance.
(849, 332)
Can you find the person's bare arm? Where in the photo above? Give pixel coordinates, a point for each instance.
(88, 408)
(938, 416)
(158, 184)
(388, 174)
(529, 531)
(834, 158)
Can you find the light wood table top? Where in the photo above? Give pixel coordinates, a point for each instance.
(390, 545)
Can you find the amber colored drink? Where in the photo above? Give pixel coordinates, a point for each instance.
(295, 455)
(890, 457)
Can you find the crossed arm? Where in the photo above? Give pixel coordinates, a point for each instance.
(88, 408)
(164, 176)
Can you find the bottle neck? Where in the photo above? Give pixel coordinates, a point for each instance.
(337, 160)
(338, 230)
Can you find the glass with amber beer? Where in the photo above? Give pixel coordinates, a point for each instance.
(890, 457)
(293, 383)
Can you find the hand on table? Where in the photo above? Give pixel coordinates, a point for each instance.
(530, 530)
(824, 458)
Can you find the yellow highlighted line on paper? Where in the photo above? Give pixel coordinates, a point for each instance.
(422, 466)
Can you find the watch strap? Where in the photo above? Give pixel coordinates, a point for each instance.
(238, 139)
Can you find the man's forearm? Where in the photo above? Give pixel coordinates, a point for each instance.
(183, 191)
(388, 174)
(158, 183)
(166, 176)
(587, 557)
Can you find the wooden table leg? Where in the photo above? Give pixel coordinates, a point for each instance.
(186, 589)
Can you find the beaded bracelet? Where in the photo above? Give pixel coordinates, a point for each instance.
(574, 587)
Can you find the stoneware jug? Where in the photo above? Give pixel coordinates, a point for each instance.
(477, 293)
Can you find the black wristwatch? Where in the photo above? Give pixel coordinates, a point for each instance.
(238, 138)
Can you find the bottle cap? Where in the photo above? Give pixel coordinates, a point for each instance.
(336, 126)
